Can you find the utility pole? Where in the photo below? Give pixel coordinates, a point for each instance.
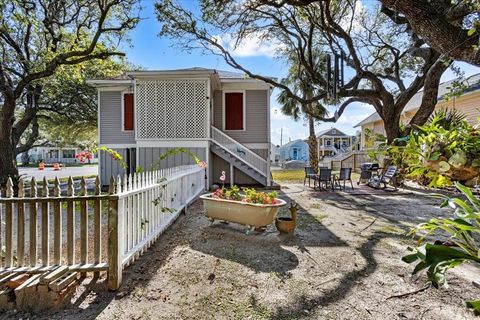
(281, 136)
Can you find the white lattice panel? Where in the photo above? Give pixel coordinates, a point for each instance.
(172, 109)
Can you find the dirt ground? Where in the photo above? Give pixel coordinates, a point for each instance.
(343, 263)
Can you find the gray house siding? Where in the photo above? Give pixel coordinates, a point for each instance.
(110, 117)
(148, 157)
(109, 167)
(262, 153)
(239, 178)
(256, 117)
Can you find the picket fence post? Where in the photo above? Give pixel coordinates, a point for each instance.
(115, 235)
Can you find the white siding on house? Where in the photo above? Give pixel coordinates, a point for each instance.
(111, 119)
(256, 117)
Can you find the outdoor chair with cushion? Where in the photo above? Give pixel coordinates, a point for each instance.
(344, 175)
(309, 174)
(323, 177)
(388, 177)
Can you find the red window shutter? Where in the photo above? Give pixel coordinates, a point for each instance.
(234, 111)
(128, 111)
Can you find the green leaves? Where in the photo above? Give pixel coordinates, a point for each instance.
(474, 305)
(437, 259)
(461, 246)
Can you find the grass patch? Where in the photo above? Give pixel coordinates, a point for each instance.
(319, 217)
(294, 175)
(297, 175)
(389, 229)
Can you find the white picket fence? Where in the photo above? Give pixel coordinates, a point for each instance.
(135, 212)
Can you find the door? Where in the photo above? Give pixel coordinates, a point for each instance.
(295, 154)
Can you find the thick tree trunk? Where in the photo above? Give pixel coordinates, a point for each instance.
(392, 128)
(8, 163)
(312, 144)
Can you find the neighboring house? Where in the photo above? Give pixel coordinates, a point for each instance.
(274, 153)
(50, 153)
(294, 150)
(221, 117)
(468, 104)
(332, 142)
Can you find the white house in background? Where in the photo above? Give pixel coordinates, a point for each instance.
(274, 153)
(332, 142)
(50, 153)
(222, 117)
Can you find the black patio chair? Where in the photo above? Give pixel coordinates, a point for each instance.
(324, 176)
(386, 178)
(309, 174)
(344, 175)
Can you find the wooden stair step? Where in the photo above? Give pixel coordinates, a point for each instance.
(7, 277)
(17, 281)
(62, 282)
(53, 275)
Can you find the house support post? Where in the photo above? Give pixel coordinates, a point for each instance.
(231, 175)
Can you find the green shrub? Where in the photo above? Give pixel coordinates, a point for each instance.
(462, 246)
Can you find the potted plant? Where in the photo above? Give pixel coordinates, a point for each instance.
(250, 207)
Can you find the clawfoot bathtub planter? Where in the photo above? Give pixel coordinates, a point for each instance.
(250, 214)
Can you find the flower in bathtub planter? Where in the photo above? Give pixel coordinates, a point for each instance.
(254, 196)
(250, 195)
(240, 209)
(232, 193)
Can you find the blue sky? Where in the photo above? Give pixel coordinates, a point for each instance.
(150, 51)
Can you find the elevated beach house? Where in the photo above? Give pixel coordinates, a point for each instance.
(333, 142)
(221, 117)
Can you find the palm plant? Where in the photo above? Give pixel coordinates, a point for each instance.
(298, 82)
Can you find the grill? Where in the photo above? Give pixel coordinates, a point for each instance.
(367, 169)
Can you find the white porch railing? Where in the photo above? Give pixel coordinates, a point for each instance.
(136, 210)
(239, 151)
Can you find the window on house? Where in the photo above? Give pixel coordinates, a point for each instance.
(68, 154)
(234, 112)
(334, 131)
(328, 142)
(128, 110)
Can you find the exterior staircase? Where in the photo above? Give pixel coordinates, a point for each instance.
(238, 155)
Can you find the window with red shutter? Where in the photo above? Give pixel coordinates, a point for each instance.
(128, 110)
(234, 111)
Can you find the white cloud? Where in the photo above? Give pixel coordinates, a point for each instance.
(352, 119)
(298, 132)
(253, 45)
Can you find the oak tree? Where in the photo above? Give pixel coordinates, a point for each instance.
(36, 38)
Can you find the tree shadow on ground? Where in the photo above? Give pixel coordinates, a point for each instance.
(401, 210)
(304, 304)
(265, 252)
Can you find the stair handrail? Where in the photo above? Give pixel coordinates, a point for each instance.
(251, 158)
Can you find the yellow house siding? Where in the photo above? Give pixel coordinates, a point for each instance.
(468, 104)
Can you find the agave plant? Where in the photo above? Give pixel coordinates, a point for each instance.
(461, 246)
